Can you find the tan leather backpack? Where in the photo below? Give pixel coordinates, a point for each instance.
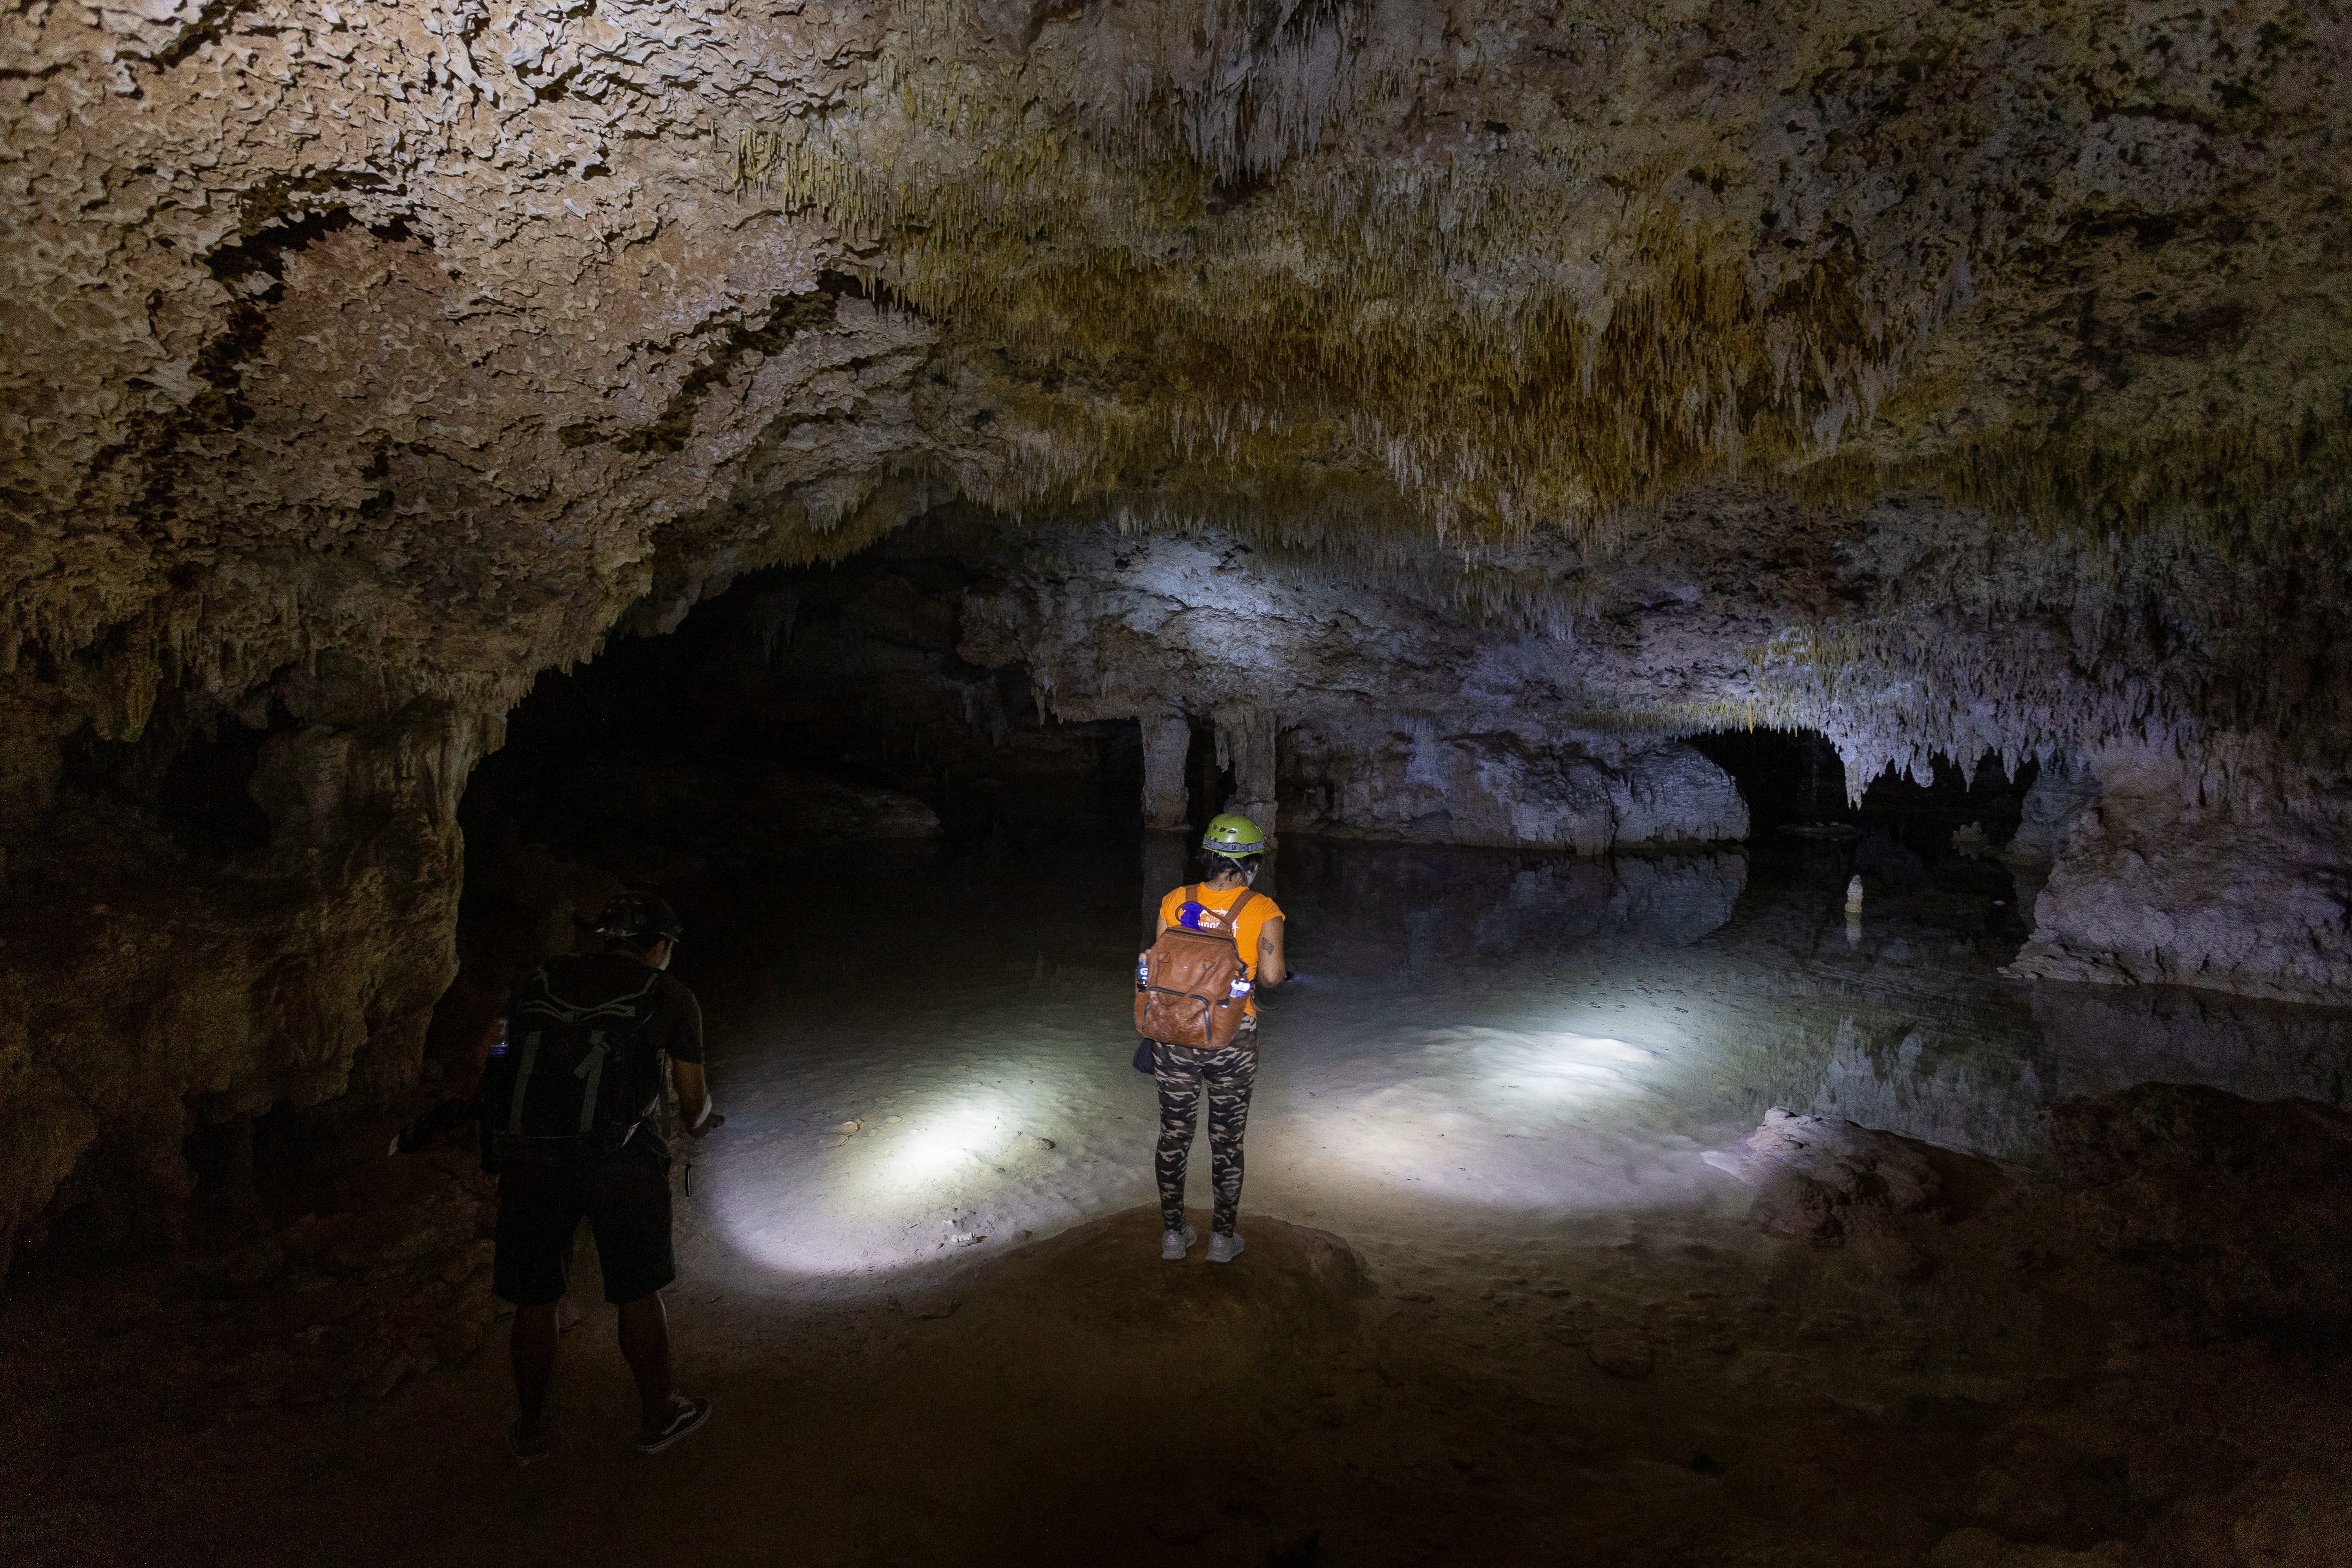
(1193, 987)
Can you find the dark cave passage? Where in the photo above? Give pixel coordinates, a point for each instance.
(837, 688)
(1796, 779)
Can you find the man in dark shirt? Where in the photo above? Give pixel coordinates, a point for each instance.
(622, 1192)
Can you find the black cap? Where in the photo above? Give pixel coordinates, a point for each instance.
(640, 919)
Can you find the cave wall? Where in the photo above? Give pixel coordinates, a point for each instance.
(153, 988)
(1341, 704)
(2223, 871)
(804, 707)
(1397, 695)
(1414, 782)
(897, 670)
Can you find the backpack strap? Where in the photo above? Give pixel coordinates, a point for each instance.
(529, 1060)
(522, 1081)
(1233, 931)
(1234, 915)
(591, 1070)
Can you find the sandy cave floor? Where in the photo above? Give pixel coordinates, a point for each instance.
(1496, 1308)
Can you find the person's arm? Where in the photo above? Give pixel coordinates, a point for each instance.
(1270, 970)
(694, 1112)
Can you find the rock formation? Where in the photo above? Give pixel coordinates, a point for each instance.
(1453, 411)
(1364, 708)
(2185, 872)
(1823, 1179)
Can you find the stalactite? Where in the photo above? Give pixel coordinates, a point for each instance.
(1401, 318)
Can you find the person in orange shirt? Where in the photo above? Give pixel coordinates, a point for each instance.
(1232, 852)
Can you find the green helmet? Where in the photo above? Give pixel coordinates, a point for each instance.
(1233, 838)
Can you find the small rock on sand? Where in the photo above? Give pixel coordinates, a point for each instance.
(1620, 1355)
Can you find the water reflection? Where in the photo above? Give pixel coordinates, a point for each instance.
(1444, 904)
(1491, 1030)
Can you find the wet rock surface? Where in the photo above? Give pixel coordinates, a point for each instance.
(2228, 1212)
(1824, 1179)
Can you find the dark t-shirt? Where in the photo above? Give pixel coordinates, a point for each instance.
(673, 1028)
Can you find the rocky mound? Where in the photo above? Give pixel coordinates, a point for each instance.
(2237, 1212)
(1823, 1178)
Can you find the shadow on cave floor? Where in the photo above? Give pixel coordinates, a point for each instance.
(1497, 1308)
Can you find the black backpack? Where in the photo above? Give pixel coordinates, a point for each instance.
(555, 1096)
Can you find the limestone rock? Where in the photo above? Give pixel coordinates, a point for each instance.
(304, 972)
(2062, 792)
(1373, 734)
(1504, 787)
(1823, 1179)
(2231, 870)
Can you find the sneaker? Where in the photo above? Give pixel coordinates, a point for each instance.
(1176, 1243)
(1224, 1248)
(528, 1446)
(685, 1416)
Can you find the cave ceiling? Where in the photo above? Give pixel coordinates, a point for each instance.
(447, 333)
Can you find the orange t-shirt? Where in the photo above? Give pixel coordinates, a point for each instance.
(1245, 935)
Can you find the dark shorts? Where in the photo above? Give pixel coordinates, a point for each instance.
(626, 1205)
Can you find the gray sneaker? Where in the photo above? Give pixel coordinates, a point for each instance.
(685, 1416)
(1174, 1244)
(1225, 1248)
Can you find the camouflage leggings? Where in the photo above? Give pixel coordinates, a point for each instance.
(1229, 1074)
